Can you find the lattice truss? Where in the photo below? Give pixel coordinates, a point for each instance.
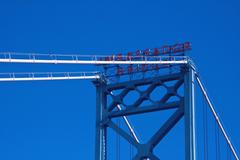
(171, 99)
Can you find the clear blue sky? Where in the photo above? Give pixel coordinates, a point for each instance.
(55, 120)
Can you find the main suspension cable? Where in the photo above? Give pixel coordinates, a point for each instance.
(216, 117)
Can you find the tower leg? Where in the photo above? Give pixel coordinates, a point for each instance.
(101, 131)
(189, 109)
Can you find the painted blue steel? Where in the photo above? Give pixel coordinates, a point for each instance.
(184, 107)
(189, 109)
(101, 130)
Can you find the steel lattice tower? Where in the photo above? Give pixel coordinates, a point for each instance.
(185, 108)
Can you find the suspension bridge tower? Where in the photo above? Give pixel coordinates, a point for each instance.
(177, 75)
(119, 75)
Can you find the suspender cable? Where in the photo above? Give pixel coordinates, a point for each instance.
(216, 117)
(205, 129)
(130, 151)
(217, 143)
(129, 125)
(118, 145)
(133, 133)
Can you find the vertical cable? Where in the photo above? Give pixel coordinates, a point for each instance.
(130, 148)
(216, 140)
(217, 118)
(118, 141)
(205, 128)
(119, 144)
(219, 143)
(130, 151)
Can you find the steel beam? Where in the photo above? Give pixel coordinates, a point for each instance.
(189, 109)
(145, 109)
(101, 130)
(167, 126)
(124, 134)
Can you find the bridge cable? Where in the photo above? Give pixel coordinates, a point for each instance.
(205, 129)
(130, 148)
(130, 151)
(229, 157)
(216, 117)
(118, 145)
(217, 142)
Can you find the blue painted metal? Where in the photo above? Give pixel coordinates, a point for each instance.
(146, 109)
(101, 130)
(184, 105)
(189, 109)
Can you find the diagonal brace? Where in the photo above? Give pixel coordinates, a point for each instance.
(125, 135)
(169, 124)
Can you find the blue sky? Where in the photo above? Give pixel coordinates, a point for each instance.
(55, 120)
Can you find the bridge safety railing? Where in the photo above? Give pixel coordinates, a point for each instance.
(29, 76)
(90, 59)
